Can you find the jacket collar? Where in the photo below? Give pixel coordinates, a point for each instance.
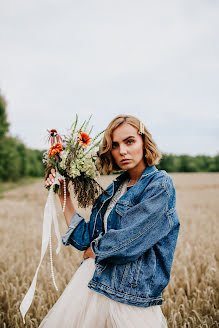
(148, 170)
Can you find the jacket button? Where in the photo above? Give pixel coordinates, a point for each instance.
(133, 285)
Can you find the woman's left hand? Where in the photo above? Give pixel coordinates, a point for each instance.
(89, 253)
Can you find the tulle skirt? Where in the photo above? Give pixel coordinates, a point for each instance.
(81, 307)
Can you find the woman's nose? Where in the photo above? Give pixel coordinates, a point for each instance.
(123, 150)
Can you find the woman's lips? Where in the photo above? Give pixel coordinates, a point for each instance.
(124, 160)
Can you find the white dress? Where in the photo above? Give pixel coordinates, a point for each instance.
(81, 307)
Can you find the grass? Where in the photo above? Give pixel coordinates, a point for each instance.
(6, 186)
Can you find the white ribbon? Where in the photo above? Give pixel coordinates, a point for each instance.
(49, 215)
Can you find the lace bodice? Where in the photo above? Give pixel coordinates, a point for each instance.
(118, 194)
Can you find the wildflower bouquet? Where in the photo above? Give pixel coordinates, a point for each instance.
(73, 157)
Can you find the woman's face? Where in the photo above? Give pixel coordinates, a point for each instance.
(127, 147)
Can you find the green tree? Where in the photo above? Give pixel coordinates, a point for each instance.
(168, 163)
(10, 160)
(4, 125)
(214, 165)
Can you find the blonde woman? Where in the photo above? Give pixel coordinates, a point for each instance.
(129, 241)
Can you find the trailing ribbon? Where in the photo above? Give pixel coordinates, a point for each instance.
(49, 215)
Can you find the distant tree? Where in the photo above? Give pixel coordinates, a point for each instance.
(187, 164)
(35, 167)
(214, 166)
(168, 163)
(10, 160)
(4, 125)
(203, 162)
(217, 162)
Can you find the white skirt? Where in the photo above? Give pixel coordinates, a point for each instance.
(81, 307)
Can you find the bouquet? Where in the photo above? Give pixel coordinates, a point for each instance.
(73, 157)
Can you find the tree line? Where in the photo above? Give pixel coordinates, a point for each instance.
(17, 161)
(186, 163)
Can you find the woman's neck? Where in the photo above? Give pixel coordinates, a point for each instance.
(134, 174)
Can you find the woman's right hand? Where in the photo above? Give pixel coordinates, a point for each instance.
(51, 177)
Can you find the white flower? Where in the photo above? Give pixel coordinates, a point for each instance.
(74, 172)
(63, 156)
(84, 164)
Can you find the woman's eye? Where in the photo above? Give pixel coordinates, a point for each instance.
(128, 142)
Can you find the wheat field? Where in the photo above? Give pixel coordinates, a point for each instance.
(190, 299)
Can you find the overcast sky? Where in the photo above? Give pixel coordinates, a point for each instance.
(157, 60)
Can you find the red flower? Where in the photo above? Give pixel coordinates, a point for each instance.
(84, 138)
(56, 149)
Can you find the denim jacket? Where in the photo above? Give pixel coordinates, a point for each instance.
(133, 258)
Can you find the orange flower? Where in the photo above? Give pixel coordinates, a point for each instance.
(84, 138)
(56, 149)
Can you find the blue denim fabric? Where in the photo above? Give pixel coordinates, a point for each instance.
(134, 257)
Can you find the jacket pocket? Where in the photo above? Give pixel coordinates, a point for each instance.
(135, 271)
(123, 207)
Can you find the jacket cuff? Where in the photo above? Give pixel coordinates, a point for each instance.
(75, 220)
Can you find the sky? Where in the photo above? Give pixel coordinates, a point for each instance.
(157, 60)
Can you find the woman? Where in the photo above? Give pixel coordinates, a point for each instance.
(129, 241)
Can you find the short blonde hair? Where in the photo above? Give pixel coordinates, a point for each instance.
(106, 162)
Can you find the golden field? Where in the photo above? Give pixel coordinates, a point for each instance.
(191, 298)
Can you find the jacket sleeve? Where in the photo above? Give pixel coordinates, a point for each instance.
(144, 225)
(78, 233)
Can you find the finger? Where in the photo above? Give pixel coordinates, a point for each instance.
(53, 171)
(51, 178)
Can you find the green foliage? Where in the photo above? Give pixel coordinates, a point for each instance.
(4, 125)
(17, 161)
(34, 167)
(186, 163)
